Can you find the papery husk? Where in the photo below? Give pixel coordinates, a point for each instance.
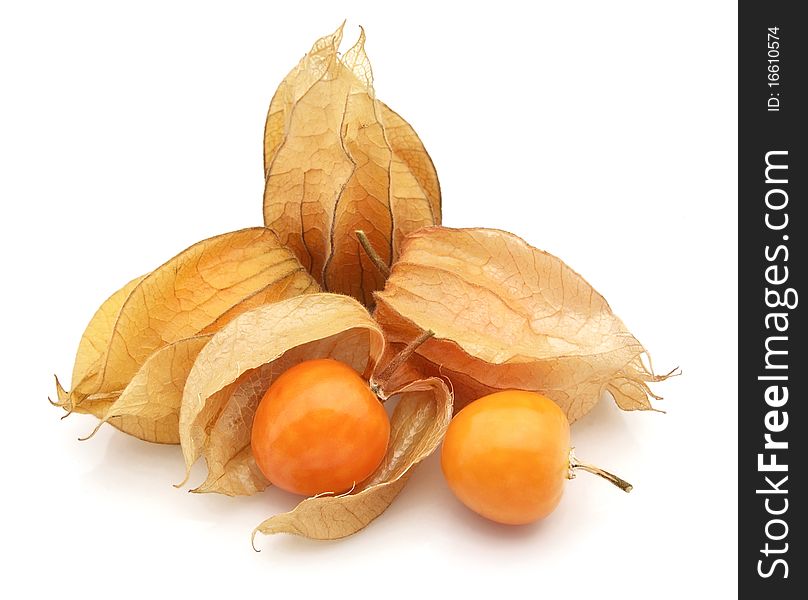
(336, 159)
(138, 348)
(149, 406)
(506, 315)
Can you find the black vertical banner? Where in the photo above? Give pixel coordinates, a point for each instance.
(773, 170)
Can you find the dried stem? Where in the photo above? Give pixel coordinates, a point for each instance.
(374, 257)
(379, 381)
(611, 477)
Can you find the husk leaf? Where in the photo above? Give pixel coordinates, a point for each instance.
(336, 159)
(508, 316)
(133, 357)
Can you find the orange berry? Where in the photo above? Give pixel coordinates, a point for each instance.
(507, 457)
(319, 428)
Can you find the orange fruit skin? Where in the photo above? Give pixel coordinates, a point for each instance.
(506, 456)
(319, 428)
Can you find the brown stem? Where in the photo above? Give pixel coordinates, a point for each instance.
(374, 257)
(611, 477)
(380, 380)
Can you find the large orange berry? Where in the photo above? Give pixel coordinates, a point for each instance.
(506, 456)
(319, 428)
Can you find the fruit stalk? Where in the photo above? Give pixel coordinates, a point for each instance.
(379, 381)
(374, 257)
(610, 477)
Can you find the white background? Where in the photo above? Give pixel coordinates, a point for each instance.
(604, 132)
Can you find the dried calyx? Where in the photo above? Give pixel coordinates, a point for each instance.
(136, 352)
(506, 315)
(337, 159)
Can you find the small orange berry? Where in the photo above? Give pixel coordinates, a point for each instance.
(506, 456)
(319, 428)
